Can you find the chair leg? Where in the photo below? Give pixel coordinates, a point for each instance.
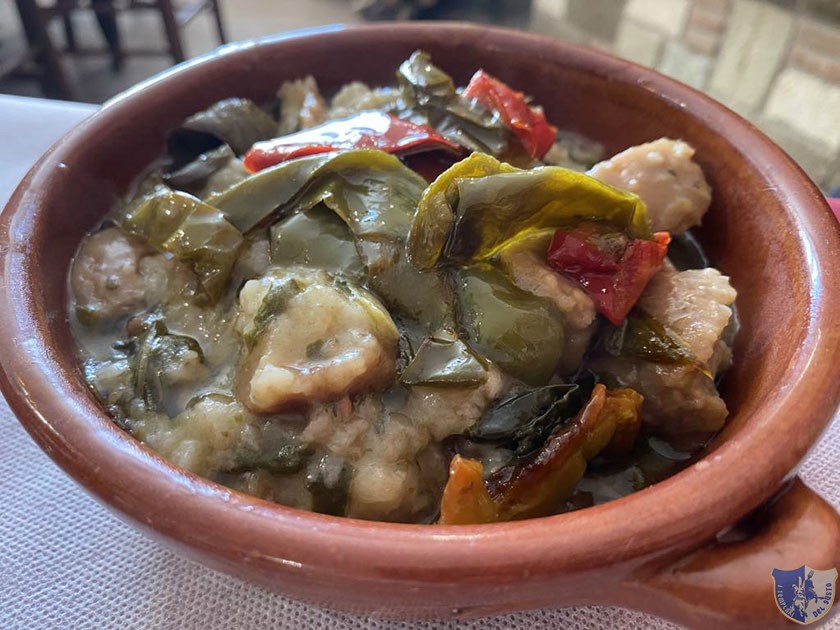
(106, 16)
(53, 81)
(69, 31)
(220, 25)
(170, 25)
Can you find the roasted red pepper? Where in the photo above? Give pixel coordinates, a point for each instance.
(367, 130)
(528, 124)
(610, 266)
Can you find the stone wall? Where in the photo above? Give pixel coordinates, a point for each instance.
(775, 62)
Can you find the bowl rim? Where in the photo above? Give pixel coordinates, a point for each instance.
(677, 511)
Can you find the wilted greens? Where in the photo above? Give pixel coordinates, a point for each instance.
(444, 360)
(643, 337)
(192, 231)
(428, 95)
(370, 190)
(524, 419)
(235, 122)
(154, 355)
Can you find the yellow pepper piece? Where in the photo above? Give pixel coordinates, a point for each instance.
(465, 498)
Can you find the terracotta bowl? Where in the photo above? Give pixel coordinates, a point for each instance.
(697, 548)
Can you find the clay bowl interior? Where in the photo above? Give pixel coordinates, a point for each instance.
(768, 228)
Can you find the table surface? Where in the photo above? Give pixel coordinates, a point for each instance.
(67, 562)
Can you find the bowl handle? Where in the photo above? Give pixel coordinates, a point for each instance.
(730, 580)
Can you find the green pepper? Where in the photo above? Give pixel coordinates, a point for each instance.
(519, 331)
(316, 238)
(443, 360)
(435, 214)
(479, 206)
(372, 192)
(497, 209)
(192, 231)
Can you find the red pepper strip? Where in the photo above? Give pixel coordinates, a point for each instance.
(612, 268)
(366, 130)
(529, 125)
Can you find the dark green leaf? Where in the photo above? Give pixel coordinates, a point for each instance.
(151, 354)
(405, 347)
(192, 231)
(428, 95)
(192, 177)
(642, 336)
(372, 192)
(237, 122)
(443, 360)
(286, 460)
(316, 238)
(329, 483)
(525, 419)
(274, 301)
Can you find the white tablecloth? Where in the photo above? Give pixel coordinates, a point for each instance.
(66, 562)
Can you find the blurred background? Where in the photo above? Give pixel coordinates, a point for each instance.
(776, 62)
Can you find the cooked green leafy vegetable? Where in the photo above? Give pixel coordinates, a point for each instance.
(237, 122)
(642, 336)
(525, 419)
(285, 460)
(152, 355)
(423, 296)
(541, 481)
(293, 311)
(373, 192)
(517, 330)
(192, 176)
(443, 360)
(428, 96)
(329, 484)
(279, 293)
(316, 238)
(192, 231)
(538, 483)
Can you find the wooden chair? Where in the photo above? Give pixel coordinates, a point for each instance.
(44, 55)
(173, 16)
(41, 56)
